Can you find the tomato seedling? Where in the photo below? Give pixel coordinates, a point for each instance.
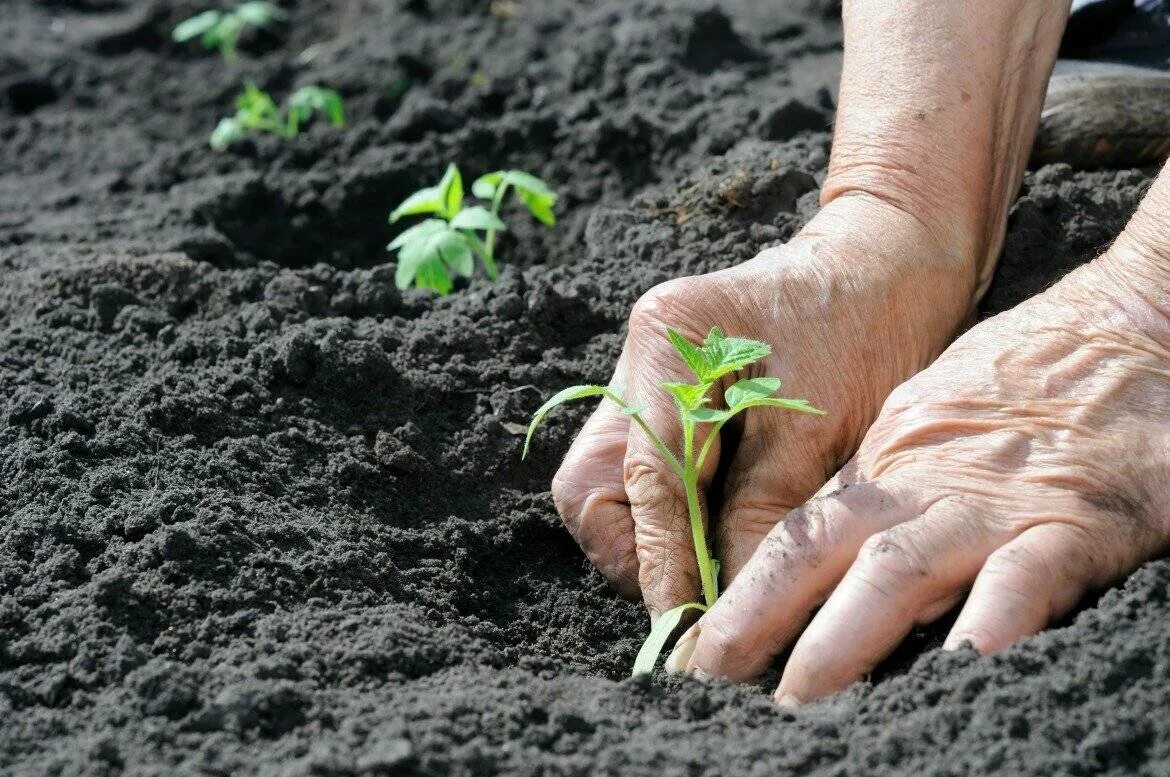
(222, 29)
(256, 111)
(446, 244)
(711, 362)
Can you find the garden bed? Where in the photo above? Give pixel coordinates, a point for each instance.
(262, 513)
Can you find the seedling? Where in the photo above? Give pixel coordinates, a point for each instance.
(221, 29)
(256, 111)
(446, 244)
(718, 357)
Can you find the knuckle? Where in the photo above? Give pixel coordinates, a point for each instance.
(888, 558)
(661, 305)
(568, 496)
(648, 483)
(721, 650)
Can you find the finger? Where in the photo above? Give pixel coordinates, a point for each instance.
(590, 495)
(1024, 586)
(668, 572)
(763, 485)
(792, 572)
(906, 575)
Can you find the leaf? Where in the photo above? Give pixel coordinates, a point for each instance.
(453, 249)
(452, 191)
(417, 232)
(560, 398)
(228, 131)
(694, 358)
(540, 207)
(428, 200)
(484, 187)
(429, 249)
(635, 409)
(724, 355)
(707, 415)
(477, 217)
(259, 13)
(195, 26)
(526, 182)
(798, 405)
(309, 99)
(750, 389)
(433, 275)
(689, 396)
(656, 640)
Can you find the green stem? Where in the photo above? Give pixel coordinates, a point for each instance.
(489, 257)
(695, 513)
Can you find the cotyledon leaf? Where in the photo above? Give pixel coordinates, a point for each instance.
(560, 398)
(656, 640)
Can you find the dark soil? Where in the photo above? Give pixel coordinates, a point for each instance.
(260, 513)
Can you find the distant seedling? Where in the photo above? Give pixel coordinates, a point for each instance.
(433, 251)
(222, 29)
(711, 362)
(256, 111)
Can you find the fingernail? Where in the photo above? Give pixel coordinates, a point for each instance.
(676, 662)
(788, 701)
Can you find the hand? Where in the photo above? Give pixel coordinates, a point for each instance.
(1029, 464)
(848, 320)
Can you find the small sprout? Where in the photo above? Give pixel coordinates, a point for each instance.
(256, 111)
(718, 357)
(446, 244)
(222, 29)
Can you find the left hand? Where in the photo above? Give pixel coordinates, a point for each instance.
(1027, 465)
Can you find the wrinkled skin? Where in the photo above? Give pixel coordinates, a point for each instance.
(1030, 463)
(836, 308)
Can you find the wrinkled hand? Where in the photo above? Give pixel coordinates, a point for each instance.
(847, 320)
(1030, 463)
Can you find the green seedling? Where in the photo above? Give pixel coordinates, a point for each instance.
(222, 29)
(712, 362)
(256, 111)
(433, 251)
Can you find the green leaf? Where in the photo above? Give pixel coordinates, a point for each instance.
(540, 207)
(526, 182)
(694, 358)
(433, 275)
(309, 99)
(452, 188)
(635, 409)
(707, 415)
(560, 398)
(798, 405)
(428, 200)
(689, 396)
(750, 389)
(419, 231)
(228, 131)
(725, 355)
(259, 13)
(195, 26)
(428, 249)
(655, 642)
(484, 187)
(477, 217)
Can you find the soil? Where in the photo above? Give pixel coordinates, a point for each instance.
(261, 513)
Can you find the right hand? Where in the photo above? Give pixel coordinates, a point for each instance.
(856, 303)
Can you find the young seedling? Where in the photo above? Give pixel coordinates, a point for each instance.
(446, 244)
(221, 29)
(711, 362)
(256, 111)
